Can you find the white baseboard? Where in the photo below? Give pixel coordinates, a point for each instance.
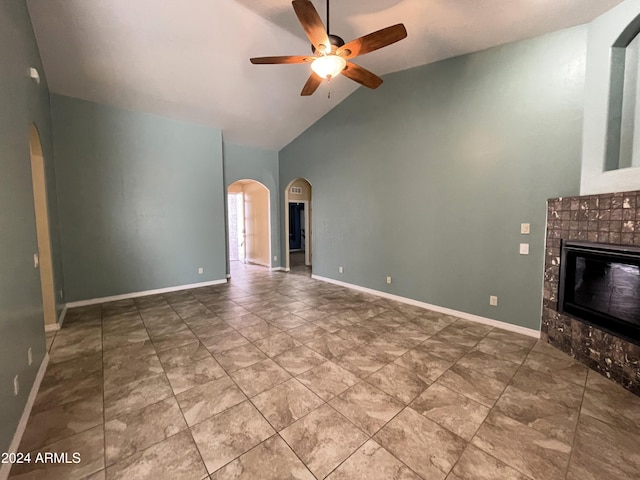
(448, 311)
(278, 269)
(24, 419)
(94, 301)
(58, 325)
(287, 269)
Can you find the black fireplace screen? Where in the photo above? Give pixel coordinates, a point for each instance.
(600, 284)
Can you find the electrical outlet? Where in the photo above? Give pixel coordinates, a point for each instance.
(275, 258)
(493, 301)
(36, 260)
(388, 279)
(200, 270)
(340, 270)
(524, 249)
(525, 228)
(30, 356)
(16, 386)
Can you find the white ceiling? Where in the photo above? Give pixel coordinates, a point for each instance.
(190, 59)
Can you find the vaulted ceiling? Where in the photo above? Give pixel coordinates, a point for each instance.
(189, 59)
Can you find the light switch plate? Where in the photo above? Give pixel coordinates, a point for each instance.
(524, 249)
(493, 300)
(525, 228)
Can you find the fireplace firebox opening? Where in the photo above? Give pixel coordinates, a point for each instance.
(600, 285)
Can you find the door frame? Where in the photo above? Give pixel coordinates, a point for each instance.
(43, 230)
(307, 231)
(308, 244)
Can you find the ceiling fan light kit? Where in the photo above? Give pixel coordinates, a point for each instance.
(332, 55)
(328, 66)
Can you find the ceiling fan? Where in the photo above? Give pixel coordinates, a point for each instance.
(331, 54)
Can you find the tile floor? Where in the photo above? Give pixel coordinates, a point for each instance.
(278, 376)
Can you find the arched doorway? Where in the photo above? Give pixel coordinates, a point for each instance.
(39, 181)
(297, 215)
(249, 223)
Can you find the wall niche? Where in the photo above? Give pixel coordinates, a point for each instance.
(623, 136)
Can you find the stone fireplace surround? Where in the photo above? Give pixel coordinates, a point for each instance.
(610, 219)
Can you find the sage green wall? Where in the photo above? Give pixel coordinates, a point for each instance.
(428, 178)
(21, 319)
(243, 162)
(141, 200)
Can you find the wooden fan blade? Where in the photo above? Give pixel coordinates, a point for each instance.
(312, 85)
(312, 24)
(373, 41)
(281, 60)
(361, 75)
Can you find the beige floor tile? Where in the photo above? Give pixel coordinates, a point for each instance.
(323, 439)
(135, 431)
(523, 448)
(271, 460)
(328, 380)
(277, 344)
(206, 400)
(136, 395)
(501, 349)
(548, 386)
(402, 384)
(446, 350)
(552, 419)
(228, 435)
(423, 445)
(558, 364)
(194, 374)
(259, 377)
(239, 357)
(285, 403)
(259, 331)
(451, 410)
(602, 451)
(613, 405)
(366, 406)
(182, 356)
(298, 360)
(89, 445)
(428, 367)
(474, 464)
(55, 424)
(489, 365)
(363, 361)
(372, 462)
(175, 458)
(472, 384)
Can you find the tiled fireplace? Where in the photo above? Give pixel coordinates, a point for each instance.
(603, 219)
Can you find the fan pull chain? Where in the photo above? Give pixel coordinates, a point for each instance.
(329, 88)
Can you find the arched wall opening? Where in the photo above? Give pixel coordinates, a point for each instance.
(249, 223)
(297, 221)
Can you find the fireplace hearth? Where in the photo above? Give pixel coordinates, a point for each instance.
(591, 298)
